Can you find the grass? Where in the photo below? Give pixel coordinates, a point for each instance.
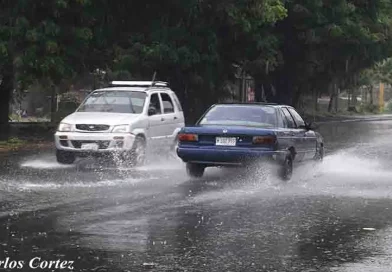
(16, 144)
(12, 143)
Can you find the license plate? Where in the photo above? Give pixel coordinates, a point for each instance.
(90, 146)
(226, 141)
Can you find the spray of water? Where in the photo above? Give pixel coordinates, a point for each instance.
(45, 162)
(344, 173)
(341, 174)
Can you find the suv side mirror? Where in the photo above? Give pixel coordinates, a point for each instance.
(152, 111)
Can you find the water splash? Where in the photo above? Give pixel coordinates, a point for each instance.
(44, 163)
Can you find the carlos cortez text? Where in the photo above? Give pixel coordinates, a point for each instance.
(36, 263)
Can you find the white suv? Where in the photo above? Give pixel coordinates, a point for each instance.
(128, 119)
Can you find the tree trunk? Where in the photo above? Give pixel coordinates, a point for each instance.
(259, 90)
(315, 101)
(331, 102)
(354, 100)
(371, 95)
(297, 102)
(336, 91)
(6, 89)
(53, 104)
(284, 89)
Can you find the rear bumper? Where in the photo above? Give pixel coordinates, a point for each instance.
(229, 156)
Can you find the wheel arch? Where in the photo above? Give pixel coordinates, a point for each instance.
(142, 136)
(140, 133)
(292, 152)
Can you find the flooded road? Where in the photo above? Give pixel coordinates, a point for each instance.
(334, 216)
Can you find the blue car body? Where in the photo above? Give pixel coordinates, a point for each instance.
(283, 133)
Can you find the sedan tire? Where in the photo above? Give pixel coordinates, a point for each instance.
(195, 170)
(286, 168)
(320, 152)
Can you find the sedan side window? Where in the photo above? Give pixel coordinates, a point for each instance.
(289, 118)
(155, 105)
(297, 118)
(282, 123)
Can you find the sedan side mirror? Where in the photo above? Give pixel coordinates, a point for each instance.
(311, 126)
(152, 111)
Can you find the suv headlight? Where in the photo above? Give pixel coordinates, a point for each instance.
(121, 129)
(63, 127)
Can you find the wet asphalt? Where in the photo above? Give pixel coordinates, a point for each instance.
(334, 216)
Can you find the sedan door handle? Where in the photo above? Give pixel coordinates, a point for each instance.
(175, 117)
(162, 119)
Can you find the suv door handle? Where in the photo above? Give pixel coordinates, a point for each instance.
(162, 119)
(175, 117)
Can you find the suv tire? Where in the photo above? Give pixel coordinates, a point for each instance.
(65, 157)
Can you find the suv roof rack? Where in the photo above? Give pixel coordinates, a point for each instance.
(140, 83)
(248, 103)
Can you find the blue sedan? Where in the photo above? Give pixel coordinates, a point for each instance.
(236, 134)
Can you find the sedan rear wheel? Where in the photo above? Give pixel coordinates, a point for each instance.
(286, 169)
(195, 170)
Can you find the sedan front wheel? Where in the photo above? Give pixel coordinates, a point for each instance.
(320, 152)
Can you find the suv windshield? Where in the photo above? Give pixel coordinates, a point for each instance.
(259, 116)
(114, 101)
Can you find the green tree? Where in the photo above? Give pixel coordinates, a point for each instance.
(46, 41)
(194, 44)
(328, 42)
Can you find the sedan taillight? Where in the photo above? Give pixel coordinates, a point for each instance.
(185, 137)
(263, 140)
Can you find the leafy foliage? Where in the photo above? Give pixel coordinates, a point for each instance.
(291, 47)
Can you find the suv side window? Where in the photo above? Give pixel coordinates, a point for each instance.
(297, 118)
(154, 102)
(289, 118)
(175, 98)
(167, 102)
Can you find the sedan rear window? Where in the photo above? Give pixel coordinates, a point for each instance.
(258, 116)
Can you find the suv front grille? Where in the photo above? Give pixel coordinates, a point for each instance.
(92, 127)
(101, 144)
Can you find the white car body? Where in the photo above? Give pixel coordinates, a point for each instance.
(82, 132)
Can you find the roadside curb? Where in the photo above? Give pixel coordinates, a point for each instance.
(371, 119)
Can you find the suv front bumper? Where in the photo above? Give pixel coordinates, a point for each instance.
(107, 142)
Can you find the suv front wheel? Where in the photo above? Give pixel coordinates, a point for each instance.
(65, 157)
(137, 155)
